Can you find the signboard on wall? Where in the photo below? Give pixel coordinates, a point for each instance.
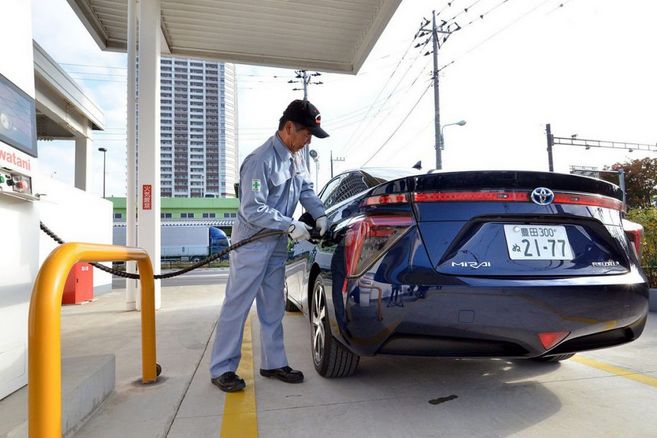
(146, 196)
(15, 160)
(17, 118)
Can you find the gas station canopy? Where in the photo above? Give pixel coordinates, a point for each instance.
(327, 35)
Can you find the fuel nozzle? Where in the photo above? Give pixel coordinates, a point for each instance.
(307, 219)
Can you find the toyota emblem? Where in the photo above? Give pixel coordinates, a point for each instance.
(542, 196)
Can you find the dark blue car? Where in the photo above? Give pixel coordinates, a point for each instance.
(468, 264)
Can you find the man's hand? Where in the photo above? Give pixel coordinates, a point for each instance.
(299, 231)
(322, 224)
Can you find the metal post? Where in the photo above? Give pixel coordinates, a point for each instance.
(131, 193)
(621, 182)
(304, 78)
(104, 151)
(550, 143)
(44, 338)
(148, 232)
(306, 149)
(331, 163)
(436, 95)
(83, 159)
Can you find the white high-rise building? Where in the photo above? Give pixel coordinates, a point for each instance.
(199, 156)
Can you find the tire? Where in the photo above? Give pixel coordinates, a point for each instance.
(330, 357)
(289, 305)
(557, 358)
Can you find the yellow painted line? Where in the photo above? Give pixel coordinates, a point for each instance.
(622, 372)
(240, 419)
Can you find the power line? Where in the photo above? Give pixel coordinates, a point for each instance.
(448, 5)
(353, 134)
(423, 71)
(94, 66)
(464, 11)
(482, 16)
(476, 46)
(359, 132)
(398, 126)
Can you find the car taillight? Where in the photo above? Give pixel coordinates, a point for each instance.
(386, 199)
(634, 232)
(369, 237)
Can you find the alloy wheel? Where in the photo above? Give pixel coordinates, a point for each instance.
(318, 316)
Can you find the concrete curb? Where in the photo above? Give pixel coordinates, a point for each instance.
(653, 300)
(86, 382)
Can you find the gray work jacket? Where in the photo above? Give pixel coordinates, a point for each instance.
(272, 182)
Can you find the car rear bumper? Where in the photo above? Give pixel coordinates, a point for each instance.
(468, 321)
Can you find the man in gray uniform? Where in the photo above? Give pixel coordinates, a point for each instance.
(273, 179)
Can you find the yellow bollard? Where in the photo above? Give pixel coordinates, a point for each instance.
(44, 338)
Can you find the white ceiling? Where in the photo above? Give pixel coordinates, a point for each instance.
(326, 35)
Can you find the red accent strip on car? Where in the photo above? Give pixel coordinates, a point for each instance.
(514, 196)
(503, 196)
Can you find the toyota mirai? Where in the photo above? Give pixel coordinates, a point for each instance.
(468, 264)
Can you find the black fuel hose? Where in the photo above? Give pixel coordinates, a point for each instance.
(260, 235)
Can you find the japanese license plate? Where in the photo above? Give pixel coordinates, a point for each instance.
(537, 242)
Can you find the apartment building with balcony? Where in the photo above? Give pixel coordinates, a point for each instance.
(199, 152)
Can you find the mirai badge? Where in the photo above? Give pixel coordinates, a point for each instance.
(542, 196)
(471, 265)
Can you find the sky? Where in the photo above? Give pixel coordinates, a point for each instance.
(587, 67)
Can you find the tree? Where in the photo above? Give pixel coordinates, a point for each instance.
(640, 181)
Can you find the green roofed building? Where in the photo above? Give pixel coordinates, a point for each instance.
(222, 210)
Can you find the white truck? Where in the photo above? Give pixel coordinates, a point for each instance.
(184, 241)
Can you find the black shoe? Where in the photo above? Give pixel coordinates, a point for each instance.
(285, 374)
(229, 382)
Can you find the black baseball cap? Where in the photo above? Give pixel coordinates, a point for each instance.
(306, 114)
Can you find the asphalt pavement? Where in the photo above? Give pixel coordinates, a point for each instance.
(604, 393)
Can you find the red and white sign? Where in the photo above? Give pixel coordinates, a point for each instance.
(146, 197)
(15, 160)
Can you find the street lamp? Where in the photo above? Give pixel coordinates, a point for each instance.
(442, 139)
(315, 156)
(104, 151)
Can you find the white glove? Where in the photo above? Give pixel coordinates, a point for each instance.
(322, 224)
(299, 231)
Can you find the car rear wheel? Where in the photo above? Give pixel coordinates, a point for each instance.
(330, 357)
(289, 305)
(557, 358)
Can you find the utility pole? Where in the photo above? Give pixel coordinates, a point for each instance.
(306, 79)
(334, 159)
(444, 30)
(550, 143)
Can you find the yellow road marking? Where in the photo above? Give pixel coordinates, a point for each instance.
(622, 372)
(240, 419)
